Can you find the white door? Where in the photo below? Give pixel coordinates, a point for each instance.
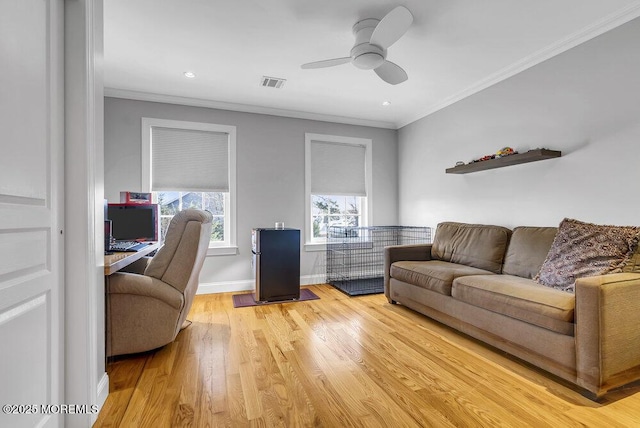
(31, 156)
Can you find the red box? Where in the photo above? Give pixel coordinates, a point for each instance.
(135, 198)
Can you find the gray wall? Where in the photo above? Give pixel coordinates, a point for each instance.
(270, 173)
(584, 102)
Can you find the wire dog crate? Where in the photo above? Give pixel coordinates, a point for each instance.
(355, 255)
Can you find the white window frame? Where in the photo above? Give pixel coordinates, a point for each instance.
(317, 244)
(229, 246)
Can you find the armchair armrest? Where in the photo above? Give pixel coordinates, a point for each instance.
(395, 253)
(607, 331)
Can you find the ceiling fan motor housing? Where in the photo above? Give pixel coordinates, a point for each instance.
(363, 54)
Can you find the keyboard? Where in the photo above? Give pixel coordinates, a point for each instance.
(128, 246)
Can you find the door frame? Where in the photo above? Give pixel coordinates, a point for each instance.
(86, 380)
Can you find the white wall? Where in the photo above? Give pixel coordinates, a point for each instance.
(270, 174)
(584, 102)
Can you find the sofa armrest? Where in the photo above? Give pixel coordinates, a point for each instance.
(395, 253)
(607, 332)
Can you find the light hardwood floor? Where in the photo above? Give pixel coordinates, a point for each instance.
(341, 362)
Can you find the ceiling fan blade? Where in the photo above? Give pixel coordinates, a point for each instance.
(327, 63)
(391, 27)
(391, 73)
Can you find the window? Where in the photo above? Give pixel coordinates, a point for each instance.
(192, 165)
(171, 203)
(335, 210)
(337, 185)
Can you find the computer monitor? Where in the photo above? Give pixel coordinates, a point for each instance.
(133, 222)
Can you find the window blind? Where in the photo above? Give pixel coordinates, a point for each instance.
(189, 160)
(337, 169)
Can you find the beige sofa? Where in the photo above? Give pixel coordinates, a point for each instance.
(478, 280)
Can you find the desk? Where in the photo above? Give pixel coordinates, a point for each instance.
(116, 261)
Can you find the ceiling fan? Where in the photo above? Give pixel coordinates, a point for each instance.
(369, 52)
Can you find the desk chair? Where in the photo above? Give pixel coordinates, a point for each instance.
(146, 311)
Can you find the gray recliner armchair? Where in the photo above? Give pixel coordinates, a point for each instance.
(146, 311)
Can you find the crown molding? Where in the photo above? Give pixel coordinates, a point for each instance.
(608, 23)
(245, 108)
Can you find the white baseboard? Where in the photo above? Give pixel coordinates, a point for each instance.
(313, 279)
(249, 285)
(101, 396)
(226, 287)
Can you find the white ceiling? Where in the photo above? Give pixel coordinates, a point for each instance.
(453, 49)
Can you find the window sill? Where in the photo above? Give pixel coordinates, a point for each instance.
(222, 251)
(315, 246)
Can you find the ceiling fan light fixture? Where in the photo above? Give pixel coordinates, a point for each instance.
(189, 74)
(386, 103)
(368, 61)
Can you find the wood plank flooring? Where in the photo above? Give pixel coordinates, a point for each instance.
(340, 362)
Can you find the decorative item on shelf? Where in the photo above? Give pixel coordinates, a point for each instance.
(505, 151)
(459, 163)
(483, 158)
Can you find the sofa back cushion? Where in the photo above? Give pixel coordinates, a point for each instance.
(476, 245)
(527, 250)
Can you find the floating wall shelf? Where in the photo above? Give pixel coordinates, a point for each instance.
(518, 158)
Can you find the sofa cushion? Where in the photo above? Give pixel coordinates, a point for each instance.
(527, 250)
(584, 249)
(518, 298)
(434, 275)
(475, 245)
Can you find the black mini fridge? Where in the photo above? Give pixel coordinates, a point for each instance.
(276, 264)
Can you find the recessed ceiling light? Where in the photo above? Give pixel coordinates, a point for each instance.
(189, 74)
(386, 103)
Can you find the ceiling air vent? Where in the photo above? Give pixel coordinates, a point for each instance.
(272, 82)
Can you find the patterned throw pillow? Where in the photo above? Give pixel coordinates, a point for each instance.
(584, 249)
